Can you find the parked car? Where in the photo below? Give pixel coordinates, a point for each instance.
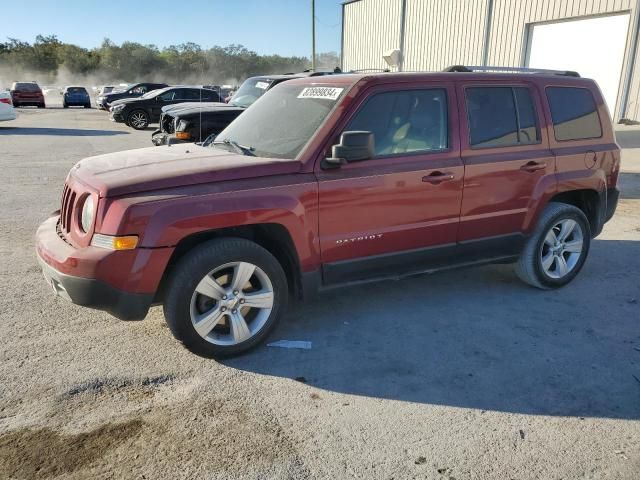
(329, 181)
(7, 112)
(75, 96)
(27, 93)
(139, 112)
(132, 91)
(195, 123)
(104, 89)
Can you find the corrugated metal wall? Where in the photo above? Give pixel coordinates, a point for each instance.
(370, 28)
(439, 33)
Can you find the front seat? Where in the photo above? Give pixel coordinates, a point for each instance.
(421, 132)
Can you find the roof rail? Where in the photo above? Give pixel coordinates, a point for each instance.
(467, 69)
(364, 70)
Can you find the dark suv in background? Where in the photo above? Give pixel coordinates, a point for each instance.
(27, 93)
(194, 122)
(139, 112)
(133, 91)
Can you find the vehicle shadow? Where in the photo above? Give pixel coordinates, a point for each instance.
(476, 338)
(60, 132)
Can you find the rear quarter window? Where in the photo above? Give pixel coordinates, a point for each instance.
(574, 113)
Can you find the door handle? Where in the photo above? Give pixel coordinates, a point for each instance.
(438, 177)
(533, 166)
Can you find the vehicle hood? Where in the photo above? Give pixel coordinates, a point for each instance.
(111, 97)
(156, 168)
(125, 100)
(193, 109)
(190, 107)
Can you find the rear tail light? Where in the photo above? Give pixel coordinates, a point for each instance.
(6, 100)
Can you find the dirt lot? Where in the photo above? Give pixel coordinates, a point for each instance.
(465, 375)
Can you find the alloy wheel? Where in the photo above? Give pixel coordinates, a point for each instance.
(232, 303)
(562, 248)
(138, 120)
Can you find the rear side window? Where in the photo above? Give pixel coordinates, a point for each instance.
(501, 117)
(574, 113)
(405, 121)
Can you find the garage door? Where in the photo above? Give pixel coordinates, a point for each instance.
(593, 47)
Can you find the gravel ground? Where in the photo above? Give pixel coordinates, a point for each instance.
(467, 374)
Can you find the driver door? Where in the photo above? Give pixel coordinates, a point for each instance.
(400, 210)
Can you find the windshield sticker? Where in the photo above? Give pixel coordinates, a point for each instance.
(328, 93)
(262, 85)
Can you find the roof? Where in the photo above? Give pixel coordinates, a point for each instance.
(400, 77)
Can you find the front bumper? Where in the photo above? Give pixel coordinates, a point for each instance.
(121, 283)
(116, 117)
(92, 293)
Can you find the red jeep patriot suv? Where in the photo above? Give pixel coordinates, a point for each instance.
(333, 180)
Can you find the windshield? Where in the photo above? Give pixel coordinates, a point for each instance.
(250, 91)
(76, 90)
(281, 123)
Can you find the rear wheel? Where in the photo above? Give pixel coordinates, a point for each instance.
(42, 105)
(557, 249)
(64, 105)
(87, 105)
(138, 119)
(225, 297)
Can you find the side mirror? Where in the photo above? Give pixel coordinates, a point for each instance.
(354, 146)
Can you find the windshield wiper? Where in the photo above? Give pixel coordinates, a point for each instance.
(241, 149)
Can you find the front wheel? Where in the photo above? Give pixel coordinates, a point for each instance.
(225, 296)
(138, 119)
(557, 249)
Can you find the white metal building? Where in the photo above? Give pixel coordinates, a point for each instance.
(596, 38)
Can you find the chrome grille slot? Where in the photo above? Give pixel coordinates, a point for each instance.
(65, 193)
(68, 200)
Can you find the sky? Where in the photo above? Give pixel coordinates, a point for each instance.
(265, 26)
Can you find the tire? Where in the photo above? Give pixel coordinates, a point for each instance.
(138, 119)
(42, 105)
(64, 105)
(88, 105)
(233, 327)
(548, 260)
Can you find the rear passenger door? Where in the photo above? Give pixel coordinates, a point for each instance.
(508, 163)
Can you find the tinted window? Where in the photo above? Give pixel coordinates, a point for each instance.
(210, 96)
(574, 113)
(528, 126)
(167, 96)
(407, 121)
(191, 94)
(501, 116)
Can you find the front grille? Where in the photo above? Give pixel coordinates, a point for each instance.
(166, 123)
(66, 210)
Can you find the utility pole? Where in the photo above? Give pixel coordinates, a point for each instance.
(313, 35)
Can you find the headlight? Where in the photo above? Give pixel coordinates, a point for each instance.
(88, 213)
(117, 108)
(182, 126)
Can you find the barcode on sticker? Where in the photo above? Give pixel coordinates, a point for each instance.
(328, 93)
(262, 85)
